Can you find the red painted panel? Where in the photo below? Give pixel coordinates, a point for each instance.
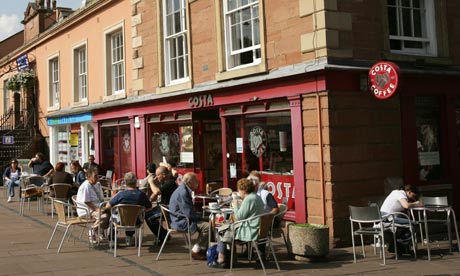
(281, 186)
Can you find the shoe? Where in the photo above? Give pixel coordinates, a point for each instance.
(129, 240)
(217, 265)
(199, 256)
(10, 199)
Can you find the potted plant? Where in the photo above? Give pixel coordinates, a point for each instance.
(308, 240)
(24, 79)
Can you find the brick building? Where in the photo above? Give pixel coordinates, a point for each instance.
(226, 87)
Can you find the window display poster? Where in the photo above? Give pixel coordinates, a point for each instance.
(232, 170)
(239, 145)
(73, 153)
(74, 140)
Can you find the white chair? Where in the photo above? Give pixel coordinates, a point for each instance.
(128, 217)
(282, 209)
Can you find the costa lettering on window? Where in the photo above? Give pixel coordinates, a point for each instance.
(383, 79)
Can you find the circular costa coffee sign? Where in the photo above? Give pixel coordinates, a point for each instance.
(383, 79)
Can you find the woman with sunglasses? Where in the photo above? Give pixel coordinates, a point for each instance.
(11, 177)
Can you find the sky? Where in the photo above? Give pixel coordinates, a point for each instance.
(12, 13)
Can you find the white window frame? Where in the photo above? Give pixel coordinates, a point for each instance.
(114, 60)
(117, 63)
(254, 20)
(428, 28)
(53, 82)
(6, 96)
(82, 73)
(171, 40)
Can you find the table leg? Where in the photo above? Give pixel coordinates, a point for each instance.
(427, 235)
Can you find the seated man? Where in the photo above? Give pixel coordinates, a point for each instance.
(181, 202)
(396, 202)
(130, 196)
(90, 196)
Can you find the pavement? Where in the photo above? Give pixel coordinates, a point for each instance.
(23, 242)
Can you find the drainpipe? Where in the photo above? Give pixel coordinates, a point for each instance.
(321, 161)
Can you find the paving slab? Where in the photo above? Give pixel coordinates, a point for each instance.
(23, 241)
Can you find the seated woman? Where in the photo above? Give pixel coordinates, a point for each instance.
(11, 177)
(252, 205)
(60, 176)
(78, 176)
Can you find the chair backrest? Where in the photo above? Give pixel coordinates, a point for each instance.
(165, 212)
(74, 200)
(212, 186)
(60, 210)
(223, 191)
(104, 182)
(368, 214)
(435, 201)
(265, 224)
(61, 190)
(129, 214)
(36, 180)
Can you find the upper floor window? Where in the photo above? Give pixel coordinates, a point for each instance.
(54, 82)
(242, 33)
(412, 27)
(175, 41)
(80, 77)
(115, 62)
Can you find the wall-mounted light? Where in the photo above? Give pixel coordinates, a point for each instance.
(137, 123)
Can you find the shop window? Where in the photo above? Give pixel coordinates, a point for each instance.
(172, 140)
(242, 51)
(115, 63)
(175, 41)
(53, 82)
(80, 74)
(116, 149)
(260, 142)
(412, 28)
(428, 138)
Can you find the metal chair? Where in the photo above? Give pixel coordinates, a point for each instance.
(128, 217)
(29, 191)
(67, 223)
(166, 215)
(370, 222)
(61, 192)
(282, 209)
(264, 223)
(440, 212)
(106, 185)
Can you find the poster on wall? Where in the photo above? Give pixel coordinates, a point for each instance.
(74, 140)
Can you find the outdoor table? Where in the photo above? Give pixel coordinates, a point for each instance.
(207, 196)
(212, 221)
(422, 218)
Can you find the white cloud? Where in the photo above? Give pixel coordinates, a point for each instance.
(9, 25)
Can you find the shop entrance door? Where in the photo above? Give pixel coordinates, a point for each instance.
(207, 128)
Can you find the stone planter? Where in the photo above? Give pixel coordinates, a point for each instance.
(308, 240)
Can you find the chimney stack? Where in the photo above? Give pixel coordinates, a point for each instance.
(48, 4)
(54, 4)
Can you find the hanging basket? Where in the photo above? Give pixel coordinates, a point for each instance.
(24, 79)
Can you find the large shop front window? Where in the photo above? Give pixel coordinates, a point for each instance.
(116, 149)
(172, 141)
(262, 142)
(428, 139)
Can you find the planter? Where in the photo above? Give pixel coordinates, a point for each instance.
(308, 240)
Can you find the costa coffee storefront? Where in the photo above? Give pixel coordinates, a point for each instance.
(220, 135)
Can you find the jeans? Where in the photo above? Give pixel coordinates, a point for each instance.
(11, 184)
(152, 218)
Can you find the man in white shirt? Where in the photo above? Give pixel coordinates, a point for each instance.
(90, 196)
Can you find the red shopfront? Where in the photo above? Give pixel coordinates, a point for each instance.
(221, 136)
